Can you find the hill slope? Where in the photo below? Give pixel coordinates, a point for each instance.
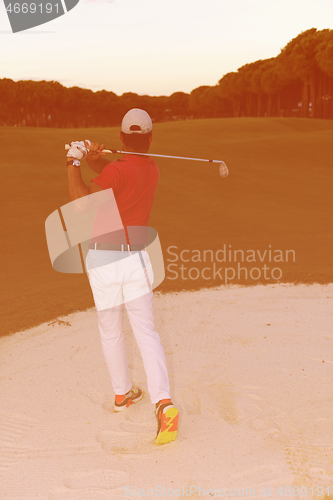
(278, 198)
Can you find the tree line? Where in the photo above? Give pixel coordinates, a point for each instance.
(298, 82)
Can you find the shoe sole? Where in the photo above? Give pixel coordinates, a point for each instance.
(118, 409)
(169, 427)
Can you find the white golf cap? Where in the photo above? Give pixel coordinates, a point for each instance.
(136, 121)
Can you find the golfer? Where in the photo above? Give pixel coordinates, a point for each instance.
(120, 273)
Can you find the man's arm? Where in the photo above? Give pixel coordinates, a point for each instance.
(97, 165)
(76, 187)
(94, 158)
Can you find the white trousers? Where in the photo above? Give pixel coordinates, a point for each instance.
(117, 282)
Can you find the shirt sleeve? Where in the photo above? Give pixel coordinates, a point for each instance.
(110, 178)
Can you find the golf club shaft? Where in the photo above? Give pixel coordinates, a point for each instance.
(115, 151)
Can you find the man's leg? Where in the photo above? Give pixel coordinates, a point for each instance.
(105, 277)
(138, 297)
(141, 316)
(110, 323)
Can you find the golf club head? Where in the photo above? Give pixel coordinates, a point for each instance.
(223, 169)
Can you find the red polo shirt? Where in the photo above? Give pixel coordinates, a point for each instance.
(133, 180)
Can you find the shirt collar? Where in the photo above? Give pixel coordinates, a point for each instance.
(137, 158)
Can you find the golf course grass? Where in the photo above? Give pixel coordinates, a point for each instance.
(277, 199)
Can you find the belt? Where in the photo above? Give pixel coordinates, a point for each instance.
(116, 248)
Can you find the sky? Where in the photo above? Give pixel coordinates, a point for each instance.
(155, 47)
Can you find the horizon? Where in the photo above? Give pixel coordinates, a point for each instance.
(132, 92)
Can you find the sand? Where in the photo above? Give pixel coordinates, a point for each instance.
(250, 371)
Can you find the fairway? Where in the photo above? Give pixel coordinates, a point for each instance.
(276, 203)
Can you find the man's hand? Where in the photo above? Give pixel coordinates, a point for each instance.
(78, 150)
(95, 151)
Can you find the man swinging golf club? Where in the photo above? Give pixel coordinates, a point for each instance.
(115, 271)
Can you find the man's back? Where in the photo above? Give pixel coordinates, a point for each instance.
(133, 180)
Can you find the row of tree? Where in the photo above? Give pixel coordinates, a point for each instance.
(298, 82)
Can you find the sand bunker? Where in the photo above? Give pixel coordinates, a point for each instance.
(250, 371)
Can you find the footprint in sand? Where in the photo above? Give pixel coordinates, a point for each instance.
(13, 427)
(140, 419)
(213, 397)
(257, 419)
(264, 425)
(88, 494)
(100, 479)
(311, 464)
(191, 399)
(94, 396)
(268, 476)
(121, 442)
(221, 397)
(133, 432)
(254, 411)
(92, 485)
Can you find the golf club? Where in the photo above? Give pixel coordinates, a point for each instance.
(223, 169)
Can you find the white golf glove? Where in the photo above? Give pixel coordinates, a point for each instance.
(78, 150)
